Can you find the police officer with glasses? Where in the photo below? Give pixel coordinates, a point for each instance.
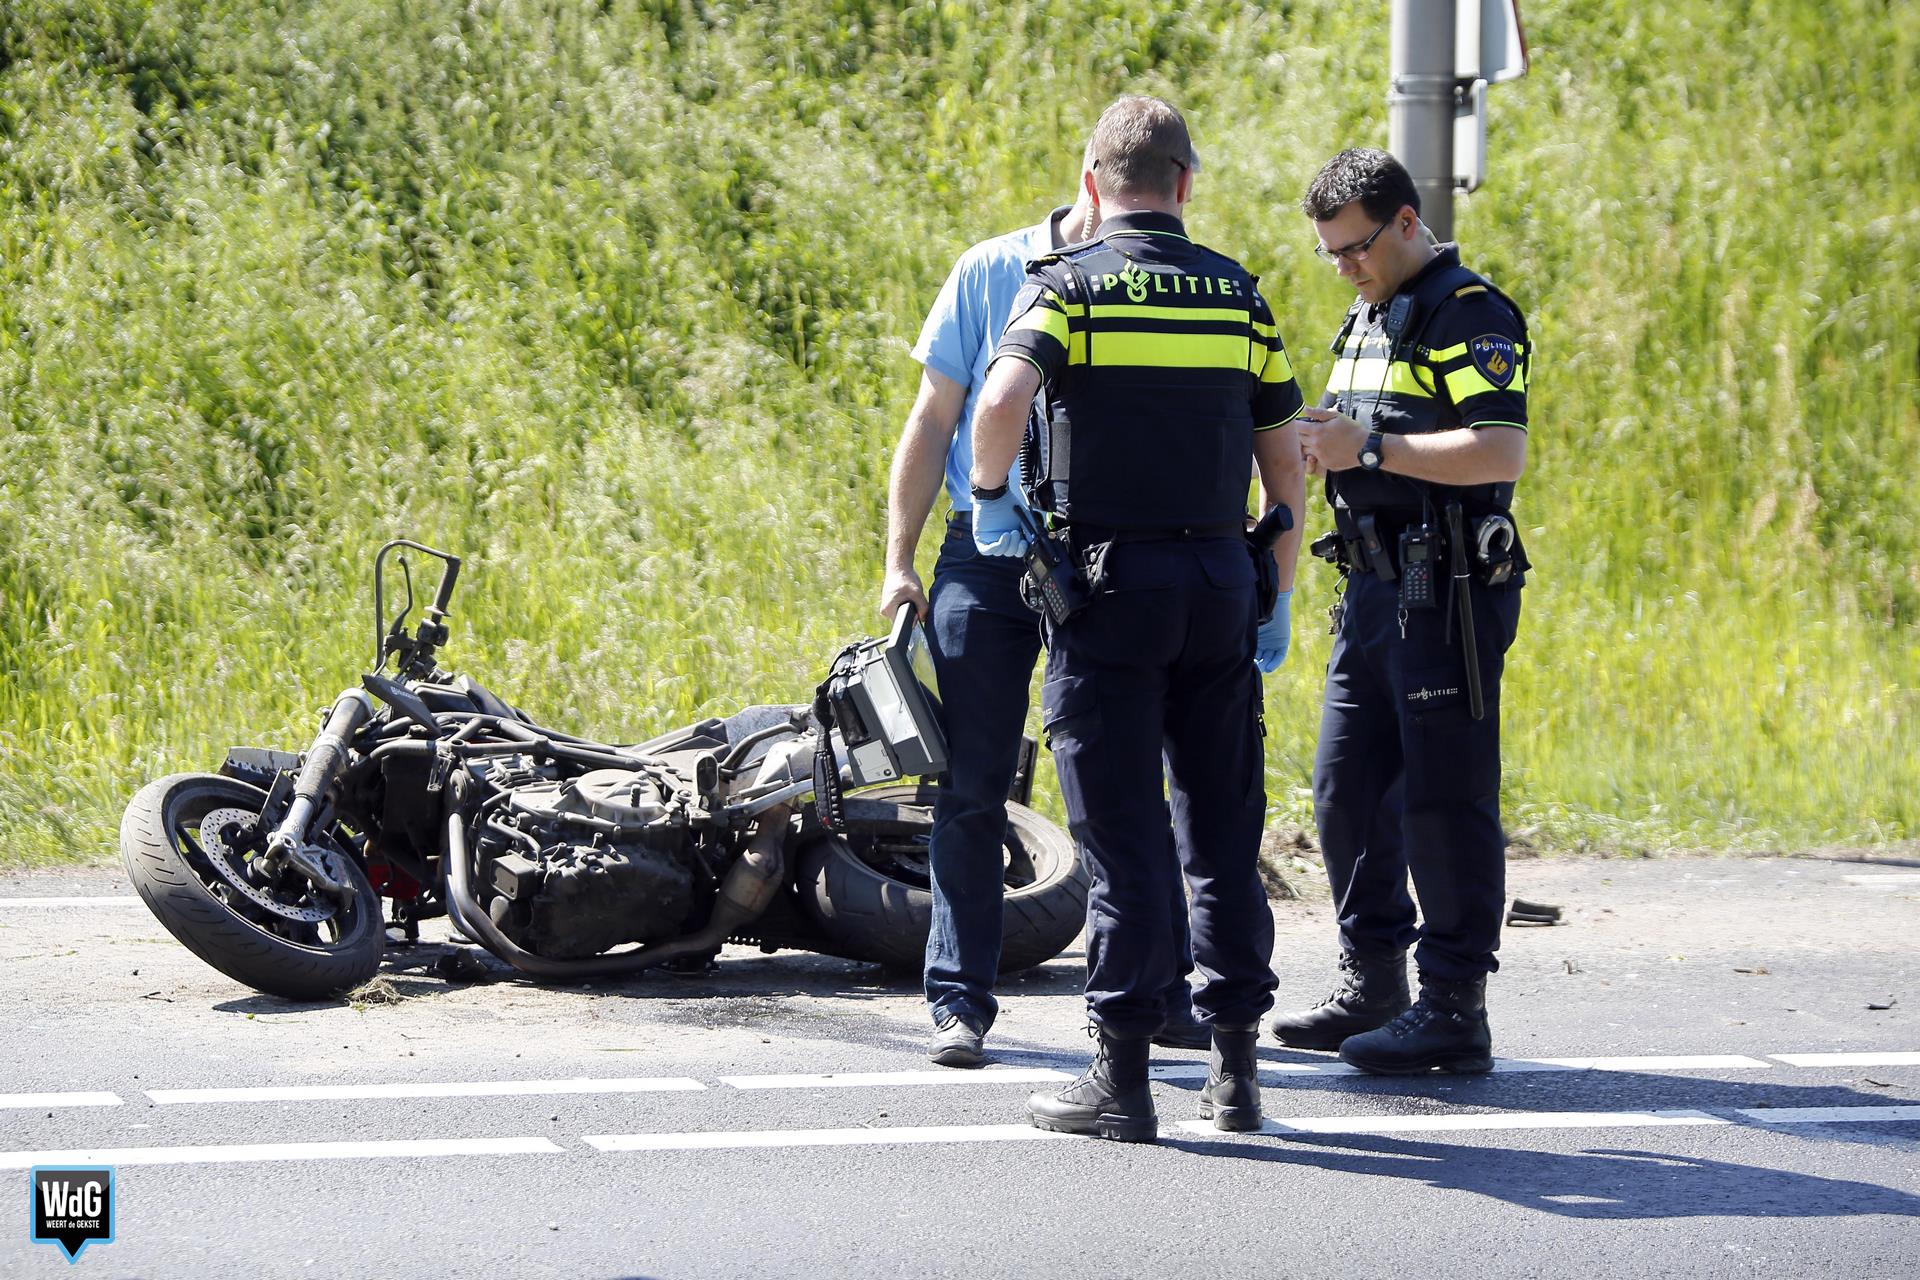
(1165, 380)
(1421, 436)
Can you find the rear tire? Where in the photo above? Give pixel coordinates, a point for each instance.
(875, 901)
(162, 843)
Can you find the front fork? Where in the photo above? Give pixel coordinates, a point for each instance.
(324, 761)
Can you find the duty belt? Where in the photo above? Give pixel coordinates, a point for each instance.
(1366, 542)
(1374, 547)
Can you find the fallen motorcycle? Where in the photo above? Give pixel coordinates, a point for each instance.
(779, 826)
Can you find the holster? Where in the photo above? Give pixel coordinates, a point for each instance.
(1266, 574)
(1266, 581)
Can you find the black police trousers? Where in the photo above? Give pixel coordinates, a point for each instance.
(1406, 780)
(1155, 680)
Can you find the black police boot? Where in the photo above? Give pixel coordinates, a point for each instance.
(1109, 1100)
(1231, 1098)
(1182, 1030)
(1445, 1030)
(1371, 992)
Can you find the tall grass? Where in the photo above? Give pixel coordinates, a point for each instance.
(614, 300)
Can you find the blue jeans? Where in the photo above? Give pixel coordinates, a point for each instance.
(984, 642)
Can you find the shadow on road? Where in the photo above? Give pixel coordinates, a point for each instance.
(1601, 1183)
(429, 969)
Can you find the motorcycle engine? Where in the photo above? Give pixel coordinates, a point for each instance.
(611, 865)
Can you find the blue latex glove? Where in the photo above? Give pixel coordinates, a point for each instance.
(996, 529)
(1276, 633)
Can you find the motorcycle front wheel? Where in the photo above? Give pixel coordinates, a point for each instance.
(871, 892)
(191, 843)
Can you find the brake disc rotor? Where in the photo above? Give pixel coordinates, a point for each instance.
(233, 868)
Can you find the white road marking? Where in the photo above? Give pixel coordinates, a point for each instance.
(1461, 1123)
(1198, 1070)
(462, 1089)
(864, 1079)
(991, 1075)
(1504, 1066)
(1695, 1062)
(245, 1153)
(116, 900)
(1566, 1120)
(1848, 1059)
(1829, 1115)
(27, 1101)
(901, 1136)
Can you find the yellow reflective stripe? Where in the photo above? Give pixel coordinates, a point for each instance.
(1277, 368)
(1123, 311)
(1041, 318)
(1077, 347)
(1464, 384)
(1266, 330)
(1275, 426)
(1172, 350)
(1070, 308)
(1372, 374)
(998, 356)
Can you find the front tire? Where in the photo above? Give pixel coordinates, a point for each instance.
(869, 891)
(283, 941)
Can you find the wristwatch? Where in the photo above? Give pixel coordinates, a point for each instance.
(988, 495)
(1373, 452)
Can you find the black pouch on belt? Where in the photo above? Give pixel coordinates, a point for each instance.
(1371, 542)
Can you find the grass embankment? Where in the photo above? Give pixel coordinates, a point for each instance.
(614, 301)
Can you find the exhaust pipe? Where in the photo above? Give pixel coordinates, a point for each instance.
(747, 891)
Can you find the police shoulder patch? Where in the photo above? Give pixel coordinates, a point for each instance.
(1493, 356)
(1023, 301)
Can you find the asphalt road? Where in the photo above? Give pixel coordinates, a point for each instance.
(1726, 1101)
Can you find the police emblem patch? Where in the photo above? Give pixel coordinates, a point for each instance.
(1493, 357)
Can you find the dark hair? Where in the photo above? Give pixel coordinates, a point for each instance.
(1140, 147)
(1379, 182)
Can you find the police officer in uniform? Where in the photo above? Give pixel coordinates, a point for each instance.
(1421, 435)
(984, 642)
(1165, 378)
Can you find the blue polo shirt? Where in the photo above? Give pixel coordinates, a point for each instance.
(964, 326)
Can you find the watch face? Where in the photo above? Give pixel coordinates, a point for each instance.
(1369, 459)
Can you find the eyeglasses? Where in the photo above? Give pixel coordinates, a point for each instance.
(1353, 252)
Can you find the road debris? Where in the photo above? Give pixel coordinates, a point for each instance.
(1535, 914)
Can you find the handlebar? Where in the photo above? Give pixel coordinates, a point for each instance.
(436, 611)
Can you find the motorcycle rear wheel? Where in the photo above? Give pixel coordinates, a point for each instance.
(166, 851)
(869, 889)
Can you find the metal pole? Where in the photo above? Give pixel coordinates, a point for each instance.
(1420, 104)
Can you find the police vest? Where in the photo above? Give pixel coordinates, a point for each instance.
(1387, 375)
(1150, 421)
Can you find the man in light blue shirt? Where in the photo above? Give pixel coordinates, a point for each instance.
(983, 638)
